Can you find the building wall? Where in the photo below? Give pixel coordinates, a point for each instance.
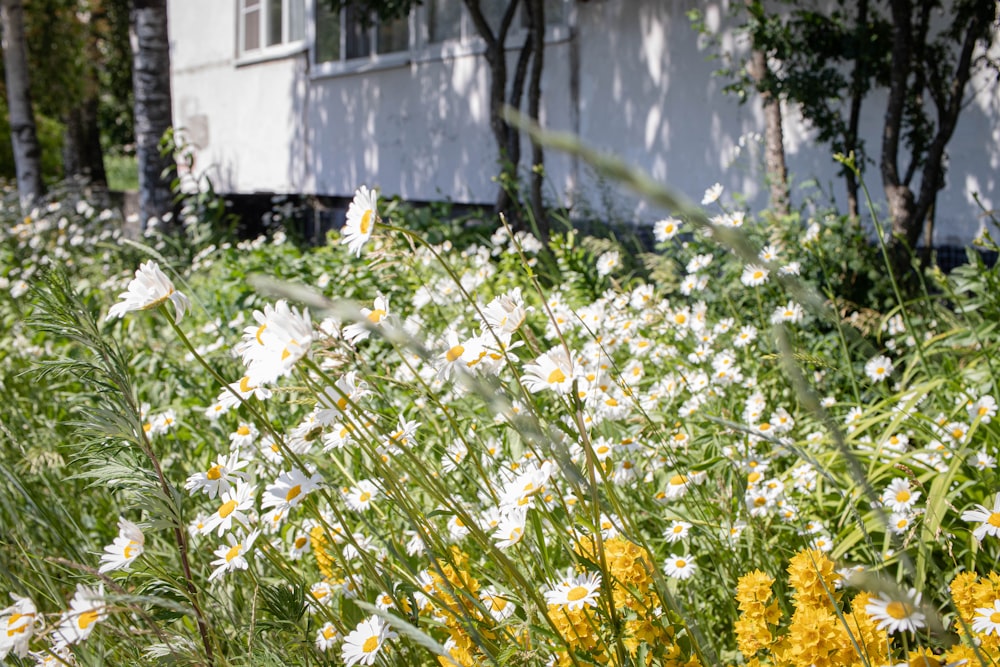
(633, 79)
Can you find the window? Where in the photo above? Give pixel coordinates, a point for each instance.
(266, 24)
(346, 35)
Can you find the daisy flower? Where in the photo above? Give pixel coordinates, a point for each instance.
(666, 229)
(712, 195)
(233, 556)
(754, 275)
(326, 637)
(236, 393)
(896, 615)
(236, 505)
(987, 620)
(147, 290)
(126, 548)
(362, 646)
(510, 530)
(575, 592)
(677, 531)
(680, 567)
(220, 477)
(505, 313)
(85, 610)
(289, 489)
(17, 625)
(608, 262)
(362, 215)
(359, 497)
(989, 520)
(985, 408)
(792, 312)
(898, 496)
(376, 315)
(552, 370)
(500, 607)
(271, 349)
(878, 368)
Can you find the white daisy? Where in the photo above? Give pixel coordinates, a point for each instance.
(289, 489)
(236, 506)
(17, 625)
(989, 519)
(375, 316)
(362, 646)
(500, 607)
(666, 229)
(878, 368)
(898, 496)
(126, 548)
(86, 609)
(896, 615)
(232, 556)
(552, 370)
(754, 275)
(362, 215)
(712, 195)
(677, 531)
(575, 592)
(271, 349)
(326, 637)
(680, 567)
(987, 620)
(147, 290)
(220, 477)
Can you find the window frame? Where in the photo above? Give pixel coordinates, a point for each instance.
(285, 48)
(421, 50)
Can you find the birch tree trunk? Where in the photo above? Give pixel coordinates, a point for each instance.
(24, 136)
(153, 115)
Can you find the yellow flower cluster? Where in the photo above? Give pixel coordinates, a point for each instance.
(647, 634)
(971, 593)
(318, 540)
(456, 588)
(752, 629)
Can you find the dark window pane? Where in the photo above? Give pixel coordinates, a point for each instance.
(394, 35)
(359, 43)
(273, 22)
(444, 20)
(251, 30)
(327, 33)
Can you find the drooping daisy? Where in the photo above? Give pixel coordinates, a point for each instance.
(362, 646)
(289, 489)
(232, 556)
(575, 592)
(375, 316)
(989, 520)
(712, 195)
(878, 368)
(505, 313)
(271, 349)
(147, 290)
(86, 609)
(895, 615)
(220, 477)
(987, 620)
(362, 215)
(326, 637)
(17, 625)
(680, 567)
(126, 548)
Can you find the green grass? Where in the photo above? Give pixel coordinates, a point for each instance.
(122, 172)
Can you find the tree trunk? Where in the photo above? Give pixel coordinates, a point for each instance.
(83, 158)
(537, 29)
(151, 81)
(858, 84)
(24, 136)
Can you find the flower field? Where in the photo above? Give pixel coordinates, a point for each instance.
(430, 444)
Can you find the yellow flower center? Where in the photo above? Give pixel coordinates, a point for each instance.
(293, 493)
(995, 617)
(757, 275)
(14, 618)
(370, 645)
(127, 551)
(994, 520)
(233, 552)
(957, 434)
(86, 619)
(577, 593)
(243, 430)
(678, 480)
(678, 530)
(214, 473)
(227, 508)
(680, 564)
(376, 316)
(897, 610)
(245, 384)
(365, 497)
(902, 496)
(754, 477)
(455, 353)
(366, 221)
(556, 376)
(260, 332)
(329, 632)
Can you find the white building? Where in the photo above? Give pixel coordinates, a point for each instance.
(280, 96)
